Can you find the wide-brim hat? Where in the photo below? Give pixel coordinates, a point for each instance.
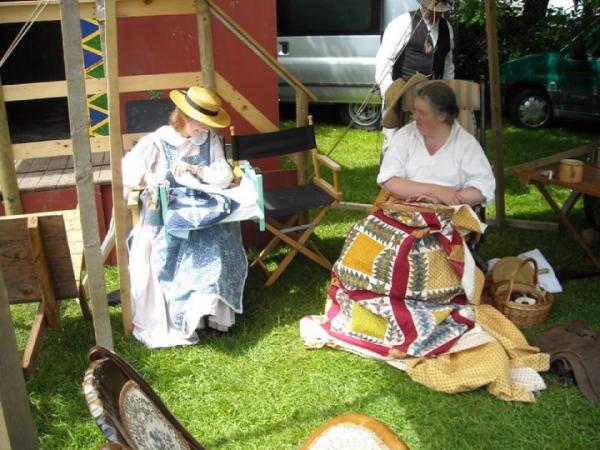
(393, 94)
(201, 104)
(436, 5)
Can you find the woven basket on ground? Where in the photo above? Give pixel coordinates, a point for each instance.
(516, 279)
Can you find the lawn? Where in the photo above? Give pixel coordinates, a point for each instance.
(258, 388)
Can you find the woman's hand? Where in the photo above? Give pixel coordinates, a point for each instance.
(439, 194)
(448, 195)
(182, 167)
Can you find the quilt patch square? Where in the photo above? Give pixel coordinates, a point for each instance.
(362, 254)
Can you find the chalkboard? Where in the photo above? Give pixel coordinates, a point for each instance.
(144, 116)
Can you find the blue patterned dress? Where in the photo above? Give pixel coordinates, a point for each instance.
(186, 279)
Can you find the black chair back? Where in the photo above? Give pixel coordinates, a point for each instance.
(276, 143)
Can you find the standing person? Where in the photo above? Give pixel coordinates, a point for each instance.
(180, 283)
(419, 41)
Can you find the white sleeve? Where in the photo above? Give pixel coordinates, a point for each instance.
(139, 161)
(476, 170)
(394, 159)
(219, 172)
(449, 62)
(395, 37)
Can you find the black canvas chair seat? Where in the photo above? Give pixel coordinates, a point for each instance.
(286, 208)
(295, 199)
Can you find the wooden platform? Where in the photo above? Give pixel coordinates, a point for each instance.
(39, 174)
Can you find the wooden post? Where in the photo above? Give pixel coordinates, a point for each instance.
(495, 106)
(301, 159)
(8, 176)
(205, 44)
(17, 430)
(82, 162)
(120, 212)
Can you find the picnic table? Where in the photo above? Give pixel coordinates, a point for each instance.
(590, 185)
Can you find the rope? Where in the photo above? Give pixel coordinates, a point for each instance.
(374, 88)
(39, 7)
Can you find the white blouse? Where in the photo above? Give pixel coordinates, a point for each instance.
(142, 158)
(460, 162)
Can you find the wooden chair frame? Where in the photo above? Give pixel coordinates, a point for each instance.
(42, 258)
(294, 230)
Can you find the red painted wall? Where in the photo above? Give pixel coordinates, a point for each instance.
(169, 44)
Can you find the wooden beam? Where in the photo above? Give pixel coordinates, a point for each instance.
(34, 342)
(548, 160)
(40, 264)
(17, 430)
(495, 106)
(301, 158)
(205, 45)
(8, 175)
(242, 105)
(64, 147)
(258, 49)
(19, 11)
(82, 162)
(524, 224)
(120, 213)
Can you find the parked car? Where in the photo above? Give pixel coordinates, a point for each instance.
(331, 46)
(563, 85)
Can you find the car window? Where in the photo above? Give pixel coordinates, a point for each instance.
(587, 43)
(330, 17)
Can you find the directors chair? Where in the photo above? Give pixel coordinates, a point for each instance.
(286, 208)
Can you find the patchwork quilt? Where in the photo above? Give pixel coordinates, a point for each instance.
(405, 282)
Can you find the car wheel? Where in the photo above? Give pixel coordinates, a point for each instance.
(367, 118)
(530, 108)
(591, 206)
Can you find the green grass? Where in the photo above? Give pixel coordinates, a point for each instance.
(258, 388)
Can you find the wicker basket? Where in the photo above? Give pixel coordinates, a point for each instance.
(522, 281)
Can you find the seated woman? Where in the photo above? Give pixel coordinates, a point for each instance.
(433, 158)
(183, 282)
(405, 288)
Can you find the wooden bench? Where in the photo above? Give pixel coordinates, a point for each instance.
(41, 257)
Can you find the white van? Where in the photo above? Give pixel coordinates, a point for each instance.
(330, 45)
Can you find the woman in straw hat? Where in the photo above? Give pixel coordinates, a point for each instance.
(193, 276)
(433, 158)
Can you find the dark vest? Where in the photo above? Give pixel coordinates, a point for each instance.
(414, 59)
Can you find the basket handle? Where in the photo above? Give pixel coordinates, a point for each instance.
(519, 268)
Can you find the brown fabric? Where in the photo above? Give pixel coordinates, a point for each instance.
(576, 346)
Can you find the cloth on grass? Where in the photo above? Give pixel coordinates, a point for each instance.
(406, 286)
(575, 353)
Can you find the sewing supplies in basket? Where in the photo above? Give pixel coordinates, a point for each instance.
(517, 292)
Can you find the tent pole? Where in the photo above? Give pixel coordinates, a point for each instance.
(8, 176)
(82, 163)
(495, 106)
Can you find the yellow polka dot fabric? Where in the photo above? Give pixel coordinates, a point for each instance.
(490, 365)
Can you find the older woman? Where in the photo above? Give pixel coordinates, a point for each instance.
(405, 288)
(187, 269)
(433, 158)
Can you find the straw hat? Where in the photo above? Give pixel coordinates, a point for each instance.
(436, 5)
(391, 118)
(203, 105)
